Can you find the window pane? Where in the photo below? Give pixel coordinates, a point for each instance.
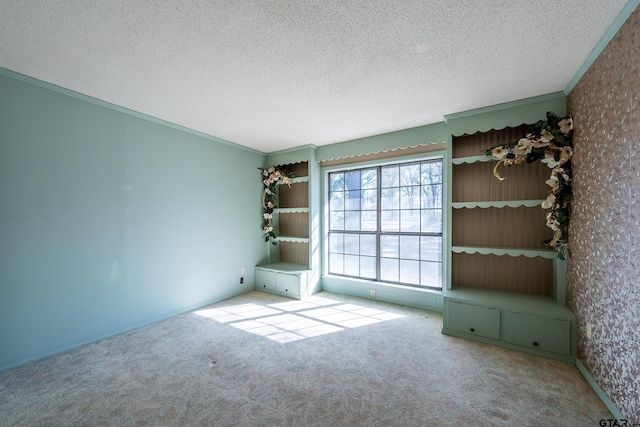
(351, 265)
(368, 245)
(390, 176)
(432, 221)
(431, 274)
(410, 247)
(352, 220)
(336, 264)
(336, 201)
(410, 198)
(390, 198)
(410, 221)
(336, 220)
(410, 272)
(389, 269)
(336, 182)
(389, 246)
(431, 196)
(431, 248)
(369, 200)
(390, 221)
(352, 201)
(351, 244)
(432, 172)
(369, 221)
(369, 178)
(352, 180)
(368, 267)
(336, 242)
(410, 174)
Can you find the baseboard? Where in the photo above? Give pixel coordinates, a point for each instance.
(117, 331)
(601, 394)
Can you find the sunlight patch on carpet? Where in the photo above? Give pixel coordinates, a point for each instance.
(289, 321)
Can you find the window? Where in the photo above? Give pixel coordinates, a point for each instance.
(385, 223)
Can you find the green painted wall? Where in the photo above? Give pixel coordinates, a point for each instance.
(109, 220)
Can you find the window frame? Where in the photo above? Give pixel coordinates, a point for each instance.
(430, 156)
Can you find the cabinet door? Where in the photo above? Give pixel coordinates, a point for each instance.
(473, 319)
(543, 333)
(265, 279)
(288, 283)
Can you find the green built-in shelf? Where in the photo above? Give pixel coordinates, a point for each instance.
(514, 252)
(472, 159)
(291, 210)
(295, 180)
(292, 239)
(497, 204)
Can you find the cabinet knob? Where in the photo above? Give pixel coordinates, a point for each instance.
(535, 343)
(472, 329)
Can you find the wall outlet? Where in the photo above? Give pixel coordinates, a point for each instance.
(241, 280)
(373, 293)
(589, 331)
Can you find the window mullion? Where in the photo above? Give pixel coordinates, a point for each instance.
(378, 218)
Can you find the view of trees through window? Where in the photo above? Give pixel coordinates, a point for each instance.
(385, 223)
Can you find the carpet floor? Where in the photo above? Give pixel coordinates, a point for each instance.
(263, 360)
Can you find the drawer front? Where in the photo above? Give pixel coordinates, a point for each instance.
(265, 279)
(288, 283)
(542, 333)
(473, 319)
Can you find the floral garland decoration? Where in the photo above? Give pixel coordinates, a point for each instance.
(550, 142)
(270, 179)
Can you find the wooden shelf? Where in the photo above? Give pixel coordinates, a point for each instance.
(498, 204)
(291, 210)
(292, 239)
(284, 266)
(296, 180)
(519, 302)
(514, 252)
(473, 159)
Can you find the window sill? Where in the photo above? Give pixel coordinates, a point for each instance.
(427, 299)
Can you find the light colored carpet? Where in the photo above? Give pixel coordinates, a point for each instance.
(262, 360)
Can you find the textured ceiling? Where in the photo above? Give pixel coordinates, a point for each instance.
(276, 74)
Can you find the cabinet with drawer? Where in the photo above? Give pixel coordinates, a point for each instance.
(473, 319)
(289, 283)
(282, 279)
(542, 333)
(265, 279)
(529, 323)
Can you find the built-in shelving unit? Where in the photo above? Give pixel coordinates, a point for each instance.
(496, 224)
(290, 268)
(504, 286)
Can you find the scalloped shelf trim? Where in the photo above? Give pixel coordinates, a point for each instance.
(497, 204)
(292, 239)
(513, 252)
(368, 153)
(506, 115)
(291, 210)
(473, 159)
(297, 180)
(510, 125)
